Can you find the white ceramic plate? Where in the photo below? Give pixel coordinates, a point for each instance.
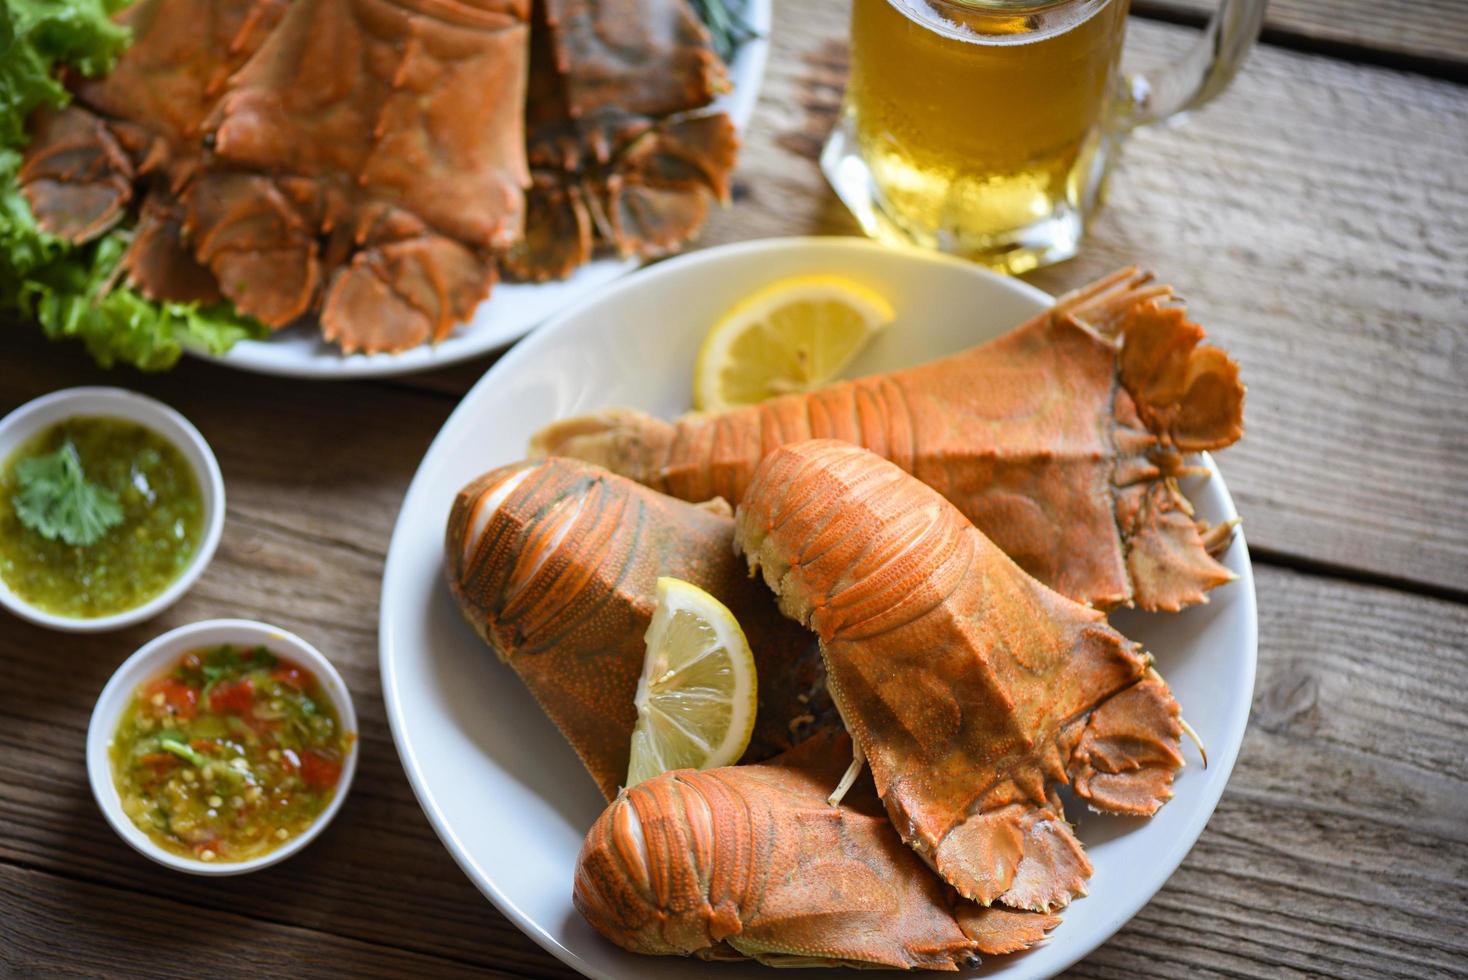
(500, 785)
(513, 309)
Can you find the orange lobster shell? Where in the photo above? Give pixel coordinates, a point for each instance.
(971, 689)
(1060, 440)
(751, 861)
(555, 565)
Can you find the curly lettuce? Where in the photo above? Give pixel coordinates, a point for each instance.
(73, 291)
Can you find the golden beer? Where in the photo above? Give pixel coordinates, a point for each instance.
(979, 127)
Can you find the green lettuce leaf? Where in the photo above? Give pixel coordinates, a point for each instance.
(35, 36)
(73, 291)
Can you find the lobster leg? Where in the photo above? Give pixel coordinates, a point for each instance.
(621, 151)
(76, 177)
(158, 261)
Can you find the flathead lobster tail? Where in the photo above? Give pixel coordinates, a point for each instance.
(139, 119)
(356, 159)
(1174, 395)
(555, 565)
(751, 862)
(1062, 440)
(972, 690)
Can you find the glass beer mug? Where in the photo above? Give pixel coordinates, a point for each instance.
(985, 128)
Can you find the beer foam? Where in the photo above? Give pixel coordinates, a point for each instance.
(1044, 19)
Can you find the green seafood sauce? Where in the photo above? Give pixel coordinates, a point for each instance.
(162, 524)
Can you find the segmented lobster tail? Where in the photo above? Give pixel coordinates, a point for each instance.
(1062, 440)
(555, 565)
(751, 862)
(971, 689)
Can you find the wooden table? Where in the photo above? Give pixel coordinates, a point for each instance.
(1316, 218)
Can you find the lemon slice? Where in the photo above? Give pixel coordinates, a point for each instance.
(697, 697)
(793, 335)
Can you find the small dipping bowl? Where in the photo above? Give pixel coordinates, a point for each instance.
(36, 416)
(154, 660)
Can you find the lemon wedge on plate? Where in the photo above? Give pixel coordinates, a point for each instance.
(697, 697)
(793, 335)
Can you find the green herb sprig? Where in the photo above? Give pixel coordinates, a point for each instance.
(727, 24)
(57, 501)
(224, 660)
(172, 743)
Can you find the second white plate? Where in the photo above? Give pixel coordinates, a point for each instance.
(500, 785)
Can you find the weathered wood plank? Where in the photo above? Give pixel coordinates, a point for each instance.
(1316, 218)
(1351, 771)
(1431, 34)
(128, 934)
(1341, 845)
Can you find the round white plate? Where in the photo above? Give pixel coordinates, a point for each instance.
(512, 309)
(500, 785)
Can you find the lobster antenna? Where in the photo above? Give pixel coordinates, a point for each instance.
(858, 759)
(1202, 751)
(1188, 729)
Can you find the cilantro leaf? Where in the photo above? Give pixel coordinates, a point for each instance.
(218, 662)
(261, 657)
(58, 502)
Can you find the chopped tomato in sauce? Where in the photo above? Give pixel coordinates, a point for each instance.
(229, 755)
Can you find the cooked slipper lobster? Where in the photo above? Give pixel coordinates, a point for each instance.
(135, 137)
(555, 565)
(375, 163)
(751, 861)
(1061, 440)
(622, 148)
(971, 690)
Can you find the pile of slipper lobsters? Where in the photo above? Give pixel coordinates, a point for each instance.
(952, 535)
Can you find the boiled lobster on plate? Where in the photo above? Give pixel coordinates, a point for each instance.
(377, 164)
(952, 554)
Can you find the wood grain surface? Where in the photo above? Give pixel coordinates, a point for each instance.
(1428, 34)
(1316, 218)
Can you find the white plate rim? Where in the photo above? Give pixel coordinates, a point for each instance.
(278, 356)
(1165, 866)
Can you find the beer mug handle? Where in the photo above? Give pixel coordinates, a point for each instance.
(1203, 72)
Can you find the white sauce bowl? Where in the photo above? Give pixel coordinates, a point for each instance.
(157, 658)
(36, 416)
